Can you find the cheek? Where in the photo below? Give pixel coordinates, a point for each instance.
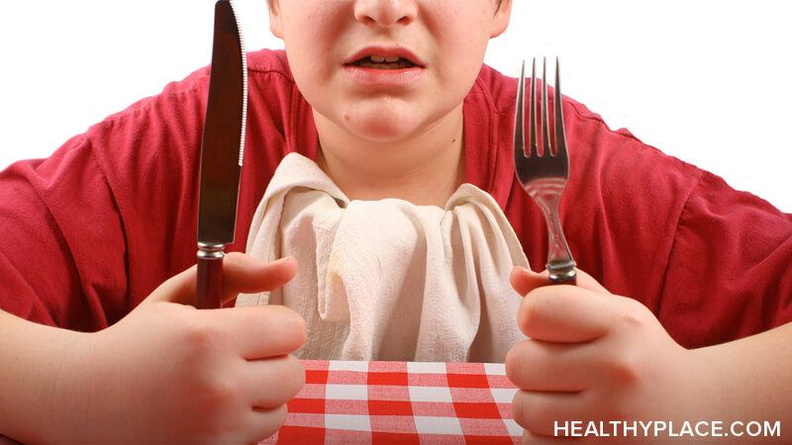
(313, 26)
(464, 57)
(466, 37)
(308, 49)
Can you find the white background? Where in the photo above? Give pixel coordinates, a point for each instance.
(707, 81)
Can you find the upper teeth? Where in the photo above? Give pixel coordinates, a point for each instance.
(380, 59)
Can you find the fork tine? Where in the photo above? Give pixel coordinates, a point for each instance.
(519, 116)
(560, 135)
(546, 150)
(534, 148)
(544, 177)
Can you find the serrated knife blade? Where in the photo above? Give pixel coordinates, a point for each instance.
(222, 151)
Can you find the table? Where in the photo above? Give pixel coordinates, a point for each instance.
(346, 402)
(350, 403)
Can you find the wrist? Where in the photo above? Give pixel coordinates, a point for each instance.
(37, 367)
(745, 379)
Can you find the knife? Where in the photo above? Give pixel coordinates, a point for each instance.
(222, 151)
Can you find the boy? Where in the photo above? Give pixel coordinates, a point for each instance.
(389, 99)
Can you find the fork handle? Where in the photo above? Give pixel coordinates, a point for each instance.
(560, 263)
(562, 272)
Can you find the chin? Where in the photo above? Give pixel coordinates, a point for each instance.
(382, 128)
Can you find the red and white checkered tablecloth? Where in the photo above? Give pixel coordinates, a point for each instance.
(401, 402)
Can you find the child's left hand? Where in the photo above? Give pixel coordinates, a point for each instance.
(595, 356)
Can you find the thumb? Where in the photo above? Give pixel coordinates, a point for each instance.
(241, 273)
(525, 280)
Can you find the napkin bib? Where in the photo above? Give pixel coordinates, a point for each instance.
(389, 280)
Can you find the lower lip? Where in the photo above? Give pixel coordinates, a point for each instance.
(379, 78)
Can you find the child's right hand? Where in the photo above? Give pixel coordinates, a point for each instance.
(169, 373)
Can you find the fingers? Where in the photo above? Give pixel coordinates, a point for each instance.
(266, 421)
(245, 274)
(274, 381)
(566, 314)
(178, 289)
(258, 331)
(535, 365)
(586, 281)
(524, 280)
(541, 412)
(241, 273)
(535, 439)
(252, 332)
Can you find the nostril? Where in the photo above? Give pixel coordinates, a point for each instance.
(384, 22)
(385, 13)
(406, 20)
(370, 21)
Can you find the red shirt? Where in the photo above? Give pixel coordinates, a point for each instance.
(88, 233)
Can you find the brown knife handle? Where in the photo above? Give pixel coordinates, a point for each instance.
(210, 276)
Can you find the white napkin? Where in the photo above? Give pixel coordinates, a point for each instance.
(389, 280)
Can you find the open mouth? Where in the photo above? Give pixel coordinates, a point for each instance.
(384, 63)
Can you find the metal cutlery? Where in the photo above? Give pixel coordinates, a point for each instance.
(544, 174)
(222, 152)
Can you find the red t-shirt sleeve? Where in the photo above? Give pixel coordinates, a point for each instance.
(712, 263)
(91, 231)
(729, 269)
(50, 212)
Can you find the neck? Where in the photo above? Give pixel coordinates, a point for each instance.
(424, 169)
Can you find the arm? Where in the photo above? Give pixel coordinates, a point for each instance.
(596, 356)
(164, 373)
(711, 264)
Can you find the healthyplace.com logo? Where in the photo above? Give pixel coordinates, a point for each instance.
(661, 428)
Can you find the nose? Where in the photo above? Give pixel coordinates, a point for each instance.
(385, 13)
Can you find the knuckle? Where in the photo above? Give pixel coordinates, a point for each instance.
(634, 320)
(300, 329)
(279, 415)
(275, 418)
(529, 313)
(530, 414)
(292, 325)
(199, 338)
(519, 409)
(635, 315)
(296, 371)
(220, 392)
(218, 401)
(519, 364)
(512, 363)
(626, 369)
(628, 362)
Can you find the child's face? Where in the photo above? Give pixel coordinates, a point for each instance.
(335, 50)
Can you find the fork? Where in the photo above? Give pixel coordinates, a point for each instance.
(544, 175)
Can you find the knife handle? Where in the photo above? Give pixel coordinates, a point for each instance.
(210, 276)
